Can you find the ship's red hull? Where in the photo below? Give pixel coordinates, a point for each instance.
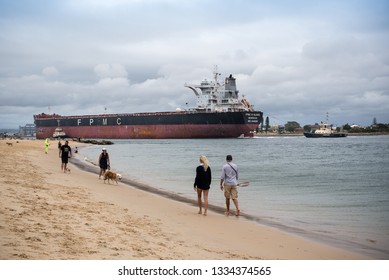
(162, 125)
(152, 131)
(219, 114)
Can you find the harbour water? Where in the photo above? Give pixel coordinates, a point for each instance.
(331, 190)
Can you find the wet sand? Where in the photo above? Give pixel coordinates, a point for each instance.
(48, 214)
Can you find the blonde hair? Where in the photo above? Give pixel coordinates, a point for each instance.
(204, 161)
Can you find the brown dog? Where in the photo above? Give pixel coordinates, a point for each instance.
(110, 175)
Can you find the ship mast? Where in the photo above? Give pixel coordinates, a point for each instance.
(215, 75)
(214, 88)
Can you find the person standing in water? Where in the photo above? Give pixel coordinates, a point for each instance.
(202, 183)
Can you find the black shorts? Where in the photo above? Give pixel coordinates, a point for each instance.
(65, 159)
(204, 188)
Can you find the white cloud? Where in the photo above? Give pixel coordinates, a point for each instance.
(110, 71)
(50, 72)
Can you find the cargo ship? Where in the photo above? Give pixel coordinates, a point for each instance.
(219, 113)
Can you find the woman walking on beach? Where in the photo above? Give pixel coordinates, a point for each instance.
(202, 183)
(103, 162)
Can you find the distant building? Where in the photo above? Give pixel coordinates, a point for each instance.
(299, 130)
(314, 127)
(281, 129)
(27, 131)
(277, 129)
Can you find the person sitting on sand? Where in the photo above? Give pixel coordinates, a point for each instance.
(229, 182)
(202, 183)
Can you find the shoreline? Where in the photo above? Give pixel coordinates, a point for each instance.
(301, 134)
(52, 215)
(345, 244)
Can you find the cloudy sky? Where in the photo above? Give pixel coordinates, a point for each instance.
(294, 60)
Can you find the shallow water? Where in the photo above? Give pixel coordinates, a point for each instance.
(333, 190)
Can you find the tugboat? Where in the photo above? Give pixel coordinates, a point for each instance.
(59, 133)
(325, 130)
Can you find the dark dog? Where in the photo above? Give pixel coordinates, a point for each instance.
(110, 175)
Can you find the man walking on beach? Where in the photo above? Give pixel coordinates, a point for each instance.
(229, 182)
(65, 153)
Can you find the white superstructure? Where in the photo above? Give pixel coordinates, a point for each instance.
(215, 97)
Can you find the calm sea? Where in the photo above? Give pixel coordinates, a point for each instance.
(331, 190)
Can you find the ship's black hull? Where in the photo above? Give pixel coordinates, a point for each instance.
(151, 125)
(60, 137)
(320, 135)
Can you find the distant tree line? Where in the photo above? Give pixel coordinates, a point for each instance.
(377, 128)
(293, 126)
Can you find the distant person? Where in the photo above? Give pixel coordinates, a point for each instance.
(59, 145)
(65, 153)
(202, 183)
(229, 183)
(76, 150)
(103, 162)
(47, 144)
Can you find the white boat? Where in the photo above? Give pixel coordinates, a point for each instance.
(325, 130)
(59, 133)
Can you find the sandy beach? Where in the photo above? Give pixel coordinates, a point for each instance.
(48, 214)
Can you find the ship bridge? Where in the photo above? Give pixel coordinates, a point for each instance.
(213, 96)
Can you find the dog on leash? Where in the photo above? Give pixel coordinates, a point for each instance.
(110, 175)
